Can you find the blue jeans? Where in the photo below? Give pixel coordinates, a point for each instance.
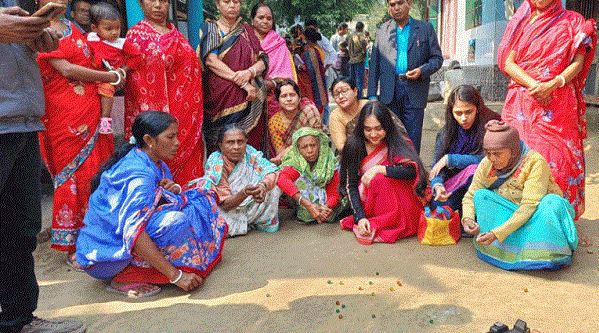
(20, 223)
(410, 116)
(356, 74)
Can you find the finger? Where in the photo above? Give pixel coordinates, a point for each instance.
(15, 11)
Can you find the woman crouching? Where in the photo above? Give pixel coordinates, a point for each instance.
(141, 229)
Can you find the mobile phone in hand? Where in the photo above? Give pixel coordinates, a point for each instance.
(50, 10)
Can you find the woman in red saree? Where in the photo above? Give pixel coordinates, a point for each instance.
(384, 178)
(547, 52)
(169, 81)
(71, 145)
(233, 81)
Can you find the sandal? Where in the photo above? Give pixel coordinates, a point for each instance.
(128, 290)
(72, 262)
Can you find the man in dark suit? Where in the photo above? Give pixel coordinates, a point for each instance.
(404, 56)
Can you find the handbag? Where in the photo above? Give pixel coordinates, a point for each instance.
(439, 227)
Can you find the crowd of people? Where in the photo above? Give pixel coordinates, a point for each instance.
(218, 138)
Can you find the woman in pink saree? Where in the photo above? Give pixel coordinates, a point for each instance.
(547, 52)
(383, 177)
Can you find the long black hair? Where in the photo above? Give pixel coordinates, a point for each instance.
(150, 122)
(469, 94)
(354, 150)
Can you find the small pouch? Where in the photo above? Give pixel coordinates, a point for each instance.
(439, 227)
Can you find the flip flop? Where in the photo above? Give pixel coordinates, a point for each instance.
(127, 290)
(72, 262)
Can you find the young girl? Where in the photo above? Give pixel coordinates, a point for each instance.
(383, 177)
(110, 52)
(459, 146)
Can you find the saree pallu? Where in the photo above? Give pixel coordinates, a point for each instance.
(169, 81)
(546, 241)
(281, 134)
(250, 170)
(186, 228)
(312, 80)
(280, 62)
(390, 204)
(543, 49)
(225, 102)
(70, 146)
(456, 187)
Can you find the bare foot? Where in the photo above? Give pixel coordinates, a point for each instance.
(133, 290)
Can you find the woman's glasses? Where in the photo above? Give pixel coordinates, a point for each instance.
(342, 91)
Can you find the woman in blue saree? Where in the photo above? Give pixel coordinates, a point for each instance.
(141, 229)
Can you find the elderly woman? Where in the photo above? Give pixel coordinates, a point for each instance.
(71, 145)
(309, 174)
(514, 202)
(141, 229)
(171, 81)
(547, 52)
(244, 181)
(235, 66)
(459, 146)
(377, 162)
(293, 113)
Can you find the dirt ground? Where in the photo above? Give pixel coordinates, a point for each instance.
(317, 278)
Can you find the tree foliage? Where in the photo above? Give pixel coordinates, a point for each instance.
(328, 13)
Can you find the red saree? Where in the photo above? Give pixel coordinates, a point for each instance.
(390, 204)
(169, 81)
(543, 49)
(70, 146)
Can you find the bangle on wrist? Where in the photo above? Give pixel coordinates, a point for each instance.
(180, 188)
(120, 78)
(122, 72)
(243, 85)
(562, 79)
(178, 278)
(253, 72)
(299, 201)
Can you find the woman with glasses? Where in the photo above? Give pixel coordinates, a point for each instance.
(344, 118)
(345, 93)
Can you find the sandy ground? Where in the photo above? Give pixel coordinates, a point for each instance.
(319, 279)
